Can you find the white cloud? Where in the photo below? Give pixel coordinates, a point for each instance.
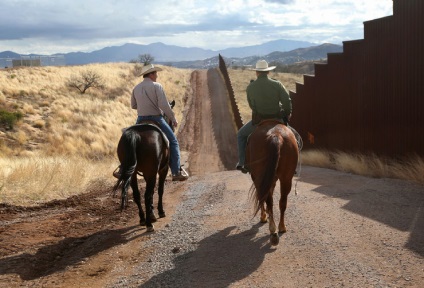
(47, 26)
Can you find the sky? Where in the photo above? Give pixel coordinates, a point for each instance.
(62, 26)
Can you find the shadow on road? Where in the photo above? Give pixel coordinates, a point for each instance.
(221, 259)
(68, 252)
(396, 203)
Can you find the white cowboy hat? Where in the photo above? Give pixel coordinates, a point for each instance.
(149, 68)
(262, 65)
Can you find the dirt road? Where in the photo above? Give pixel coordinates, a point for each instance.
(343, 230)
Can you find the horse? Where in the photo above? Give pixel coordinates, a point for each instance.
(271, 154)
(143, 148)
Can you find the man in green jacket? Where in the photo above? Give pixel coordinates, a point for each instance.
(268, 99)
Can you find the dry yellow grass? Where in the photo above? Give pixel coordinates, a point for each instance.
(32, 180)
(66, 141)
(411, 168)
(62, 121)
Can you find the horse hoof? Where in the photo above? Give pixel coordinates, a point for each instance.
(142, 222)
(150, 229)
(162, 215)
(153, 217)
(265, 220)
(274, 239)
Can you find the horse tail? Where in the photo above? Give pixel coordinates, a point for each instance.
(266, 180)
(128, 164)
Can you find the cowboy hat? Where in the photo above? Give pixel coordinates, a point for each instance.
(149, 68)
(262, 65)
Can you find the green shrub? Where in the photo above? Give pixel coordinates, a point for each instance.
(9, 119)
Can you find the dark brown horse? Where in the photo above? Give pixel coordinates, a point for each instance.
(144, 149)
(271, 155)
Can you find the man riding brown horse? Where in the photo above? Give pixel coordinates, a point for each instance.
(149, 99)
(268, 99)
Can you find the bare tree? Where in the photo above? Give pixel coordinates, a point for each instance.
(86, 80)
(145, 59)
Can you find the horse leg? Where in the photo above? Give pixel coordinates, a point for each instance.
(136, 196)
(274, 239)
(153, 218)
(284, 191)
(148, 200)
(161, 187)
(264, 217)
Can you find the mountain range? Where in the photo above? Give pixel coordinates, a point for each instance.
(283, 51)
(300, 55)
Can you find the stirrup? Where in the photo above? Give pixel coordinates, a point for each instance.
(183, 171)
(243, 169)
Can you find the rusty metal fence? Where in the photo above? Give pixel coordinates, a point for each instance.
(234, 107)
(370, 97)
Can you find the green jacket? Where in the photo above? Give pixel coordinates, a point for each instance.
(266, 96)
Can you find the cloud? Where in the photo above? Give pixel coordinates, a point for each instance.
(201, 23)
(280, 1)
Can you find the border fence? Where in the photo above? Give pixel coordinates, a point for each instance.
(234, 107)
(370, 97)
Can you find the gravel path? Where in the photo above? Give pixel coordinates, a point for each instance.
(343, 230)
(339, 236)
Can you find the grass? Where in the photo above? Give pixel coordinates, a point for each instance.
(410, 168)
(32, 180)
(65, 139)
(64, 142)
(67, 122)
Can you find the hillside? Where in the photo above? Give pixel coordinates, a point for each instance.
(66, 141)
(73, 136)
(60, 120)
(296, 61)
(162, 53)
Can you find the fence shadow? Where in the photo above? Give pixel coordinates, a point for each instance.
(396, 203)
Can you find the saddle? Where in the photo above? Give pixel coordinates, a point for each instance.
(275, 120)
(280, 116)
(151, 125)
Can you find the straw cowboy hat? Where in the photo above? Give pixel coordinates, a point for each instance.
(149, 68)
(262, 65)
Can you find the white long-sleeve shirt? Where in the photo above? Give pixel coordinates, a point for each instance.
(149, 99)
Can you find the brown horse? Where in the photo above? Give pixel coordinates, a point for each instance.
(271, 155)
(143, 149)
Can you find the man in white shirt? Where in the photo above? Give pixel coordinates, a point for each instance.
(149, 98)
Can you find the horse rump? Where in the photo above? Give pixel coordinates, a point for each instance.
(265, 177)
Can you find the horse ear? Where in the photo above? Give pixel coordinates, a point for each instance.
(172, 103)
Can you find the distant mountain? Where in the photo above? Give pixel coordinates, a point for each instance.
(266, 48)
(9, 54)
(168, 53)
(313, 53)
(127, 52)
(304, 54)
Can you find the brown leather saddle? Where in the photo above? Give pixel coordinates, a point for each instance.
(151, 125)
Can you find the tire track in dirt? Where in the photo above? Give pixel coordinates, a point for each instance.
(209, 131)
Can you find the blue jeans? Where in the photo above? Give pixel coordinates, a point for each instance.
(242, 136)
(174, 147)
